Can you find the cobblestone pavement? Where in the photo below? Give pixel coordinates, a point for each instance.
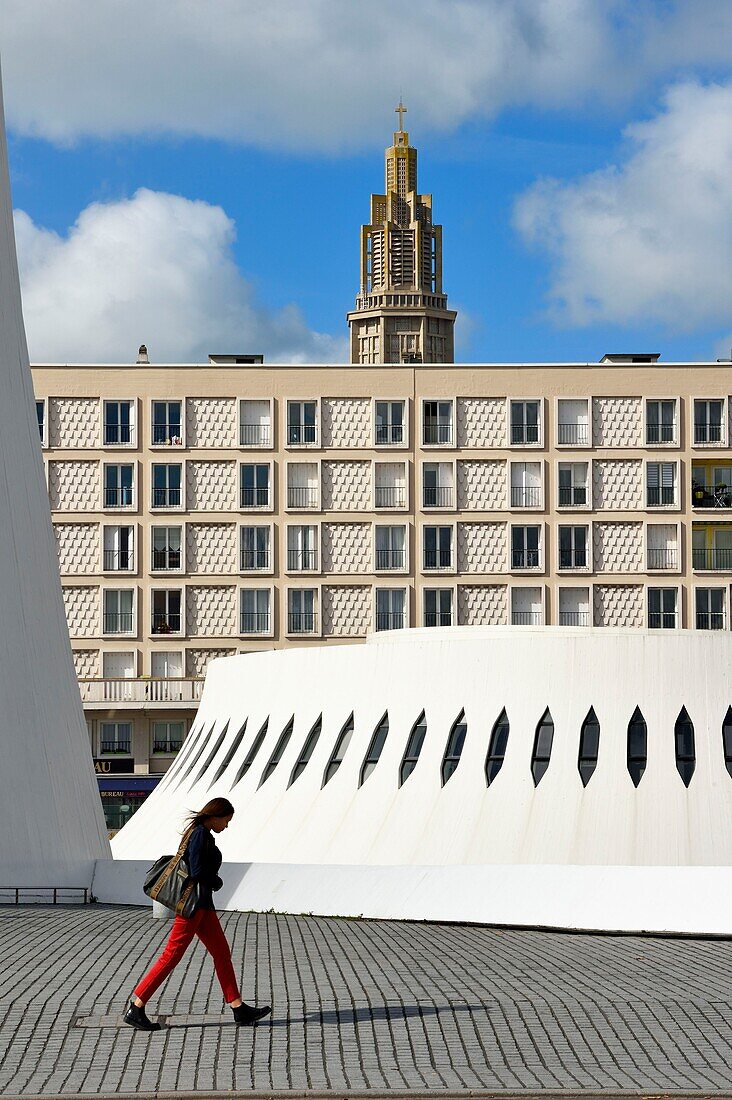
(361, 1005)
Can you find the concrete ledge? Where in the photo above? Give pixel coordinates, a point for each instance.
(682, 900)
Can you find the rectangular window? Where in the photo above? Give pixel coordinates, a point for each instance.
(660, 422)
(41, 417)
(301, 422)
(525, 543)
(572, 547)
(660, 484)
(119, 549)
(166, 424)
(662, 608)
(573, 489)
(166, 611)
(118, 423)
(166, 485)
(167, 737)
(390, 608)
(437, 548)
(437, 485)
(254, 488)
(438, 607)
(390, 485)
(391, 547)
(115, 738)
(389, 422)
(301, 617)
(526, 607)
(436, 422)
(573, 427)
(302, 548)
(166, 549)
(255, 427)
(526, 490)
(118, 610)
(708, 421)
(118, 486)
(524, 422)
(255, 611)
(254, 548)
(302, 485)
(574, 607)
(709, 604)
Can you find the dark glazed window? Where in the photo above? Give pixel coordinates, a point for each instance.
(413, 749)
(230, 755)
(249, 759)
(542, 747)
(637, 746)
(496, 748)
(455, 743)
(212, 754)
(375, 749)
(277, 754)
(307, 750)
(344, 740)
(727, 739)
(589, 744)
(685, 748)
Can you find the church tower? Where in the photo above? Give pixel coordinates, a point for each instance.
(401, 313)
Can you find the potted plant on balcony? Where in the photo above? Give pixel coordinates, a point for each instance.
(721, 494)
(697, 491)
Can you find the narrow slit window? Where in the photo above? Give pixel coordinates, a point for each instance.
(542, 747)
(637, 746)
(307, 750)
(250, 756)
(589, 746)
(727, 739)
(375, 749)
(280, 747)
(455, 745)
(685, 747)
(209, 759)
(344, 740)
(413, 749)
(497, 747)
(230, 754)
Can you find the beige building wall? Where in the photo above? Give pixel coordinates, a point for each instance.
(650, 488)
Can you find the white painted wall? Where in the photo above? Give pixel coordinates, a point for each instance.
(51, 816)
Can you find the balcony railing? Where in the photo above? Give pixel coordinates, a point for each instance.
(118, 622)
(166, 559)
(118, 498)
(117, 435)
(254, 498)
(167, 435)
(438, 618)
(524, 433)
(302, 496)
(574, 618)
(573, 434)
(712, 559)
(298, 560)
(253, 559)
(437, 559)
(121, 561)
(573, 496)
(254, 435)
(665, 557)
(436, 433)
(301, 622)
(708, 495)
(122, 747)
(167, 747)
(658, 495)
(525, 559)
(389, 496)
(573, 559)
(166, 498)
(391, 559)
(389, 433)
(167, 624)
(390, 620)
(254, 622)
(437, 496)
(526, 496)
(662, 620)
(298, 434)
(707, 433)
(710, 620)
(660, 433)
(141, 691)
(526, 618)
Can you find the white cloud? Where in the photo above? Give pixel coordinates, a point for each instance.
(155, 269)
(323, 74)
(649, 239)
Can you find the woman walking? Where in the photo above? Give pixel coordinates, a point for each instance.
(204, 863)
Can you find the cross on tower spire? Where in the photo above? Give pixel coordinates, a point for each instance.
(401, 110)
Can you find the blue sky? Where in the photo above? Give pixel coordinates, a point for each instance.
(194, 176)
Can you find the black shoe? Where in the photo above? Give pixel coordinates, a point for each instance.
(247, 1014)
(135, 1017)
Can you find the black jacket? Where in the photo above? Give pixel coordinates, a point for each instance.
(204, 862)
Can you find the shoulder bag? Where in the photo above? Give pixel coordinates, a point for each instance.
(169, 882)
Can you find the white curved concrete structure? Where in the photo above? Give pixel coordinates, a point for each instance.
(374, 844)
(51, 815)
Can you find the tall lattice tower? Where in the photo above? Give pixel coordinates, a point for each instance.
(401, 313)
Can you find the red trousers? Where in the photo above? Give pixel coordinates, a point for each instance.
(205, 924)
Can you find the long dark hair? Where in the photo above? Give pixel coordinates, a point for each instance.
(216, 807)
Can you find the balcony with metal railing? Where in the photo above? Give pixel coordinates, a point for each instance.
(659, 495)
(705, 432)
(437, 559)
(438, 618)
(299, 435)
(526, 618)
(165, 560)
(573, 434)
(437, 496)
(663, 557)
(120, 747)
(299, 561)
(660, 433)
(250, 497)
(573, 496)
(167, 748)
(254, 435)
(119, 561)
(391, 559)
(118, 497)
(710, 620)
(302, 496)
(169, 623)
(712, 560)
(167, 435)
(118, 622)
(152, 691)
(662, 620)
(254, 622)
(710, 494)
(574, 618)
(525, 559)
(166, 498)
(302, 622)
(389, 434)
(251, 560)
(390, 496)
(390, 620)
(434, 433)
(526, 496)
(524, 433)
(573, 559)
